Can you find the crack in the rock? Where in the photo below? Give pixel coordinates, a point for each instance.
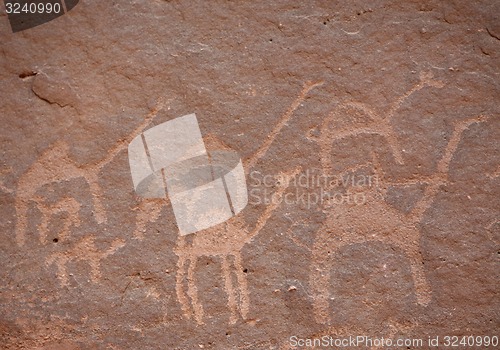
(123, 293)
(48, 101)
(492, 34)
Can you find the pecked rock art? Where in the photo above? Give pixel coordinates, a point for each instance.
(378, 124)
(55, 166)
(84, 250)
(204, 189)
(348, 224)
(224, 241)
(343, 226)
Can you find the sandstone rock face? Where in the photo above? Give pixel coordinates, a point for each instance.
(370, 138)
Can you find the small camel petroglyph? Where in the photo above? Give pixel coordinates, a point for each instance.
(84, 250)
(224, 241)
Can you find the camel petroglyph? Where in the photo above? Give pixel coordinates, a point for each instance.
(375, 220)
(55, 166)
(225, 240)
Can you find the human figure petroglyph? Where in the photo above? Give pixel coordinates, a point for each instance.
(376, 220)
(224, 241)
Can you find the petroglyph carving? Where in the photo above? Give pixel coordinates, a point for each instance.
(2, 185)
(55, 166)
(204, 189)
(224, 241)
(68, 205)
(84, 250)
(378, 124)
(348, 224)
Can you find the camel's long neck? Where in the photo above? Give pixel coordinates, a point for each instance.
(250, 162)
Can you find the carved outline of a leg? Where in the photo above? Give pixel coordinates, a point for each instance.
(22, 220)
(43, 227)
(68, 205)
(228, 286)
(319, 283)
(181, 296)
(319, 280)
(60, 260)
(193, 291)
(422, 287)
(242, 284)
(95, 190)
(95, 271)
(379, 175)
(393, 143)
(149, 211)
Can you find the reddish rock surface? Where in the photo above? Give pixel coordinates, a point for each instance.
(406, 92)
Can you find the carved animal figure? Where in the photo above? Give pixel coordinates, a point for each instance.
(376, 220)
(55, 166)
(224, 241)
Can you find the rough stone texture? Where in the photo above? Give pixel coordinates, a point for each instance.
(407, 91)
